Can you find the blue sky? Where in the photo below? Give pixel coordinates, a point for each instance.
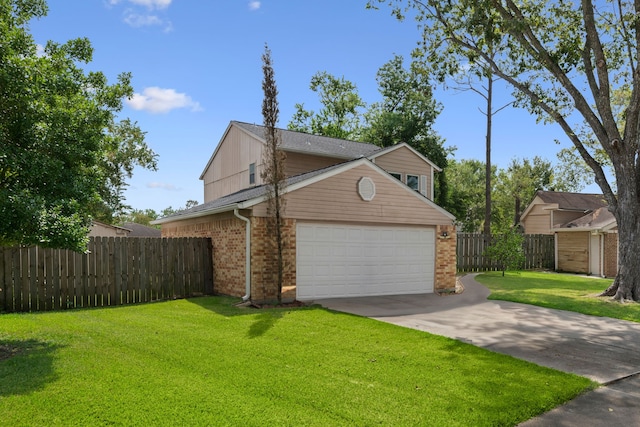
(196, 66)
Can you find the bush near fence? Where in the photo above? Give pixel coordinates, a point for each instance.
(539, 252)
(114, 271)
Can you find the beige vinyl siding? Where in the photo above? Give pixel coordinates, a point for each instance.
(573, 251)
(563, 217)
(298, 163)
(336, 199)
(229, 170)
(404, 161)
(538, 221)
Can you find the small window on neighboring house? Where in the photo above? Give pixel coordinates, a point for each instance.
(397, 176)
(413, 182)
(252, 173)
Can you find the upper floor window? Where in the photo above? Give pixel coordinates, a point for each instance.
(397, 176)
(252, 173)
(413, 182)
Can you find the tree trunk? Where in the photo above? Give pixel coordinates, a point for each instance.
(626, 286)
(487, 188)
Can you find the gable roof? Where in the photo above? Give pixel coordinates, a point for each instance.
(305, 143)
(247, 198)
(599, 219)
(573, 201)
(301, 142)
(391, 148)
(139, 230)
(579, 202)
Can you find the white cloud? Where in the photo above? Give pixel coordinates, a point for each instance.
(162, 186)
(151, 4)
(254, 5)
(158, 100)
(136, 21)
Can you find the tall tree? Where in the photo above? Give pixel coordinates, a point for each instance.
(564, 60)
(466, 193)
(407, 113)
(273, 174)
(516, 186)
(63, 154)
(340, 115)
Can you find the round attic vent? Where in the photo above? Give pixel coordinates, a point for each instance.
(366, 189)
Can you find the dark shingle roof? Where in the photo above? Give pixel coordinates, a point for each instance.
(599, 218)
(315, 144)
(573, 201)
(139, 230)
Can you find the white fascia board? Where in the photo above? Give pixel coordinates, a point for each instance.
(198, 214)
(404, 144)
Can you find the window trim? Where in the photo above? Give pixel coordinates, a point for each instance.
(252, 173)
(417, 177)
(396, 175)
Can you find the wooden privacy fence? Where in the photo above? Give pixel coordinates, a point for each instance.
(114, 271)
(538, 251)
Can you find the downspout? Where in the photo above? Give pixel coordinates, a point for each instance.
(247, 251)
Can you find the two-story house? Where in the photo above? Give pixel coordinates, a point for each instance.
(359, 219)
(585, 232)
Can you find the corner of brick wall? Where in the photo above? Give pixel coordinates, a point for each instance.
(227, 235)
(445, 279)
(264, 259)
(611, 254)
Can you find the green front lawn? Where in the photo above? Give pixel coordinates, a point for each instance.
(561, 291)
(205, 362)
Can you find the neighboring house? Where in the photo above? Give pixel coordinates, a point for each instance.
(100, 229)
(359, 220)
(139, 230)
(586, 233)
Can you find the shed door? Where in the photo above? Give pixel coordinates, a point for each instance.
(362, 260)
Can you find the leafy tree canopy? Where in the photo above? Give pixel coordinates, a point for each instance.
(64, 156)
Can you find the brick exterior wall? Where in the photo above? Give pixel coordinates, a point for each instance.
(228, 238)
(611, 254)
(264, 259)
(445, 279)
(227, 235)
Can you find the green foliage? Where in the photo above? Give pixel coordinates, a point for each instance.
(340, 115)
(190, 362)
(506, 248)
(406, 113)
(63, 156)
(466, 193)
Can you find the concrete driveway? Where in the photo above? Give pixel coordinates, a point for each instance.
(605, 350)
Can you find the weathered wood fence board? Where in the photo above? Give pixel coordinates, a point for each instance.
(538, 250)
(114, 271)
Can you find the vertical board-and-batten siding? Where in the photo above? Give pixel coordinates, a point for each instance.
(404, 161)
(229, 170)
(336, 199)
(573, 251)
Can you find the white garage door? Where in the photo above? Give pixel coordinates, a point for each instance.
(356, 260)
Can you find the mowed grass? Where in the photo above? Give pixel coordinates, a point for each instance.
(205, 362)
(561, 291)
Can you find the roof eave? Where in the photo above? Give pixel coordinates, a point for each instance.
(198, 214)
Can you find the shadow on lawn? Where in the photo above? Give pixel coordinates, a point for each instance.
(25, 366)
(264, 318)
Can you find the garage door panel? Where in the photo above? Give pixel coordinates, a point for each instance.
(353, 260)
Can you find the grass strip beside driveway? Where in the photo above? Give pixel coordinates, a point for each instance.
(568, 292)
(204, 362)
